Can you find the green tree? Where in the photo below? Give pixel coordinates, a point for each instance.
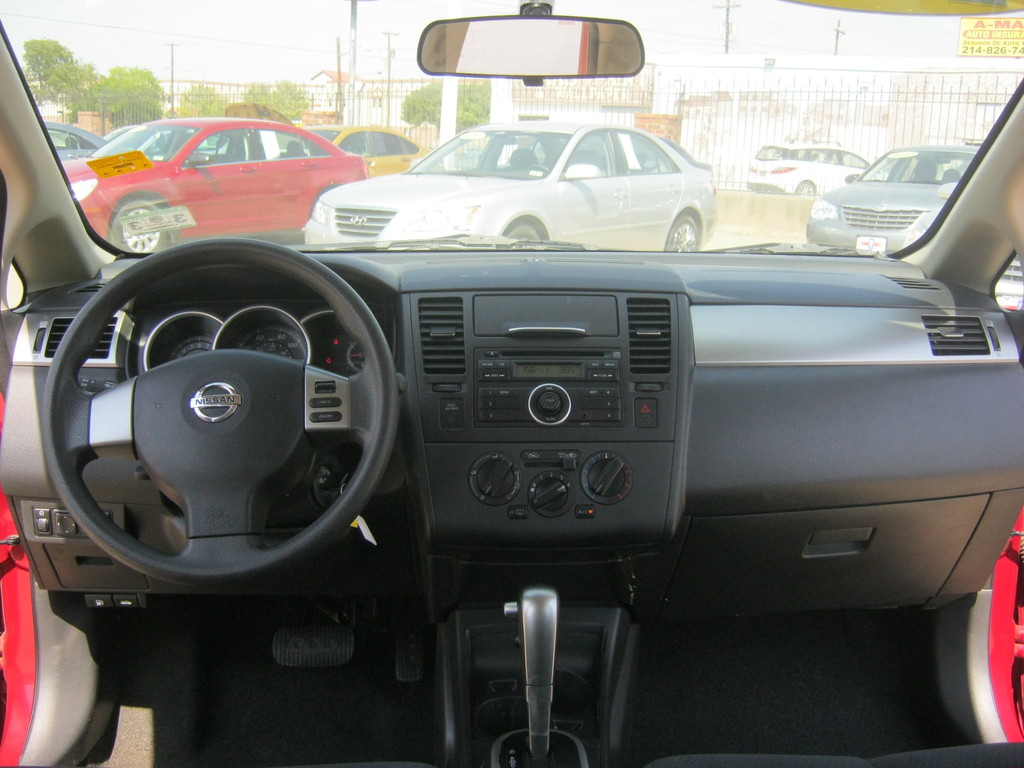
(201, 101)
(286, 97)
(126, 96)
(423, 106)
(55, 74)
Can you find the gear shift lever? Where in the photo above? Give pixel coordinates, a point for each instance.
(538, 630)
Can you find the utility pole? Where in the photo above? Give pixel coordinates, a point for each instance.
(172, 46)
(391, 54)
(839, 32)
(728, 21)
(338, 99)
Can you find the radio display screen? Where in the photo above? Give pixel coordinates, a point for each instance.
(547, 370)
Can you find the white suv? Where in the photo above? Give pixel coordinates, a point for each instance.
(802, 169)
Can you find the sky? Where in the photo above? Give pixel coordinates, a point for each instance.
(218, 41)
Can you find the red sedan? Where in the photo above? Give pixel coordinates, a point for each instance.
(210, 176)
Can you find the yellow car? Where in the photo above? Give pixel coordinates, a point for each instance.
(384, 150)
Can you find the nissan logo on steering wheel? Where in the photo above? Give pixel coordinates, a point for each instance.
(215, 402)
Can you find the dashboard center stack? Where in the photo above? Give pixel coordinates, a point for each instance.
(552, 423)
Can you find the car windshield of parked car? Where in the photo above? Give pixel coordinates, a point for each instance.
(509, 153)
(749, 124)
(916, 167)
(158, 142)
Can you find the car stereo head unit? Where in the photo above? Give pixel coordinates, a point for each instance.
(548, 388)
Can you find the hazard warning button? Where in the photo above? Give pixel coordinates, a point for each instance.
(645, 412)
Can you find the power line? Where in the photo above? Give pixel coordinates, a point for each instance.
(158, 32)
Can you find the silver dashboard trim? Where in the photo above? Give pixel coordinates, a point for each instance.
(33, 322)
(755, 335)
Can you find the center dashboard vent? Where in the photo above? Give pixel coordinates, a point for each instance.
(442, 335)
(650, 335)
(59, 328)
(953, 335)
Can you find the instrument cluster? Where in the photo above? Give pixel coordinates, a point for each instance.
(316, 339)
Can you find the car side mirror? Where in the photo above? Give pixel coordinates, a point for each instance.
(197, 159)
(852, 178)
(578, 171)
(945, 190)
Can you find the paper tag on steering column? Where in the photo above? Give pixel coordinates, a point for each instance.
(364, 529)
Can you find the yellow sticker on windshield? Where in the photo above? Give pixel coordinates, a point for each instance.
(118, 165)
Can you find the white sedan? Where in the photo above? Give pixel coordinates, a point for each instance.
(598, 185)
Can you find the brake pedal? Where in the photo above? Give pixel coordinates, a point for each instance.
(314, 646)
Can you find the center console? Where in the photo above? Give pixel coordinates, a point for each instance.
(549, 420)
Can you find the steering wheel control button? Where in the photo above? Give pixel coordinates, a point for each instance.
(325, 402)
(215, 402)
(324, 417)
(549, 404)
(495, 479)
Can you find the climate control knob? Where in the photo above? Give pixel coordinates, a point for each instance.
(495, 479)
(606, 477)
(550, 493)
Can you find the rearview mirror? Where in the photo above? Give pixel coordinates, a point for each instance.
(531, 46)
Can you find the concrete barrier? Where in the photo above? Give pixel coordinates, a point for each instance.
(747, 218)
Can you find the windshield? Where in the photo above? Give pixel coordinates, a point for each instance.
(768, 122)
(512, 154)
(919, 167)
(158, 142)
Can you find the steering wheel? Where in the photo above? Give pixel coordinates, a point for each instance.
(225, 432)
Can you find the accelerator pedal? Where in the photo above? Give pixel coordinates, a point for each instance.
(328, 645)
(408, 655)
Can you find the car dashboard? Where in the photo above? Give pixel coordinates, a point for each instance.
(683, 435)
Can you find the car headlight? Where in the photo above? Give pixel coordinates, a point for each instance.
(920, 226)
(321, 213)
(83, 188)
(823, 210)
(441, 221)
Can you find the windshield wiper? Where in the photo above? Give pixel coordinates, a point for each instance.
(795, 249)
(461, 243)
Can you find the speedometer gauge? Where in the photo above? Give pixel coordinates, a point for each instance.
(275, 340)
(264, 329)
(180, 335)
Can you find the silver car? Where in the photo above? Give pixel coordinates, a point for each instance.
(892, 203)
(598, 185)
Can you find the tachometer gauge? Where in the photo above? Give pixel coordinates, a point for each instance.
(192, 345)
(186, 333)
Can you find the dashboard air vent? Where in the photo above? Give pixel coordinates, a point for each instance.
(442, 335)
(91, 288)
(59, 327)
(956, 335)
(916, 284)
(650, 335)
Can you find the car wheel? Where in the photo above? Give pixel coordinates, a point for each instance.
(523, 230)
(806, 189)
(684, 237)
(123, 237)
